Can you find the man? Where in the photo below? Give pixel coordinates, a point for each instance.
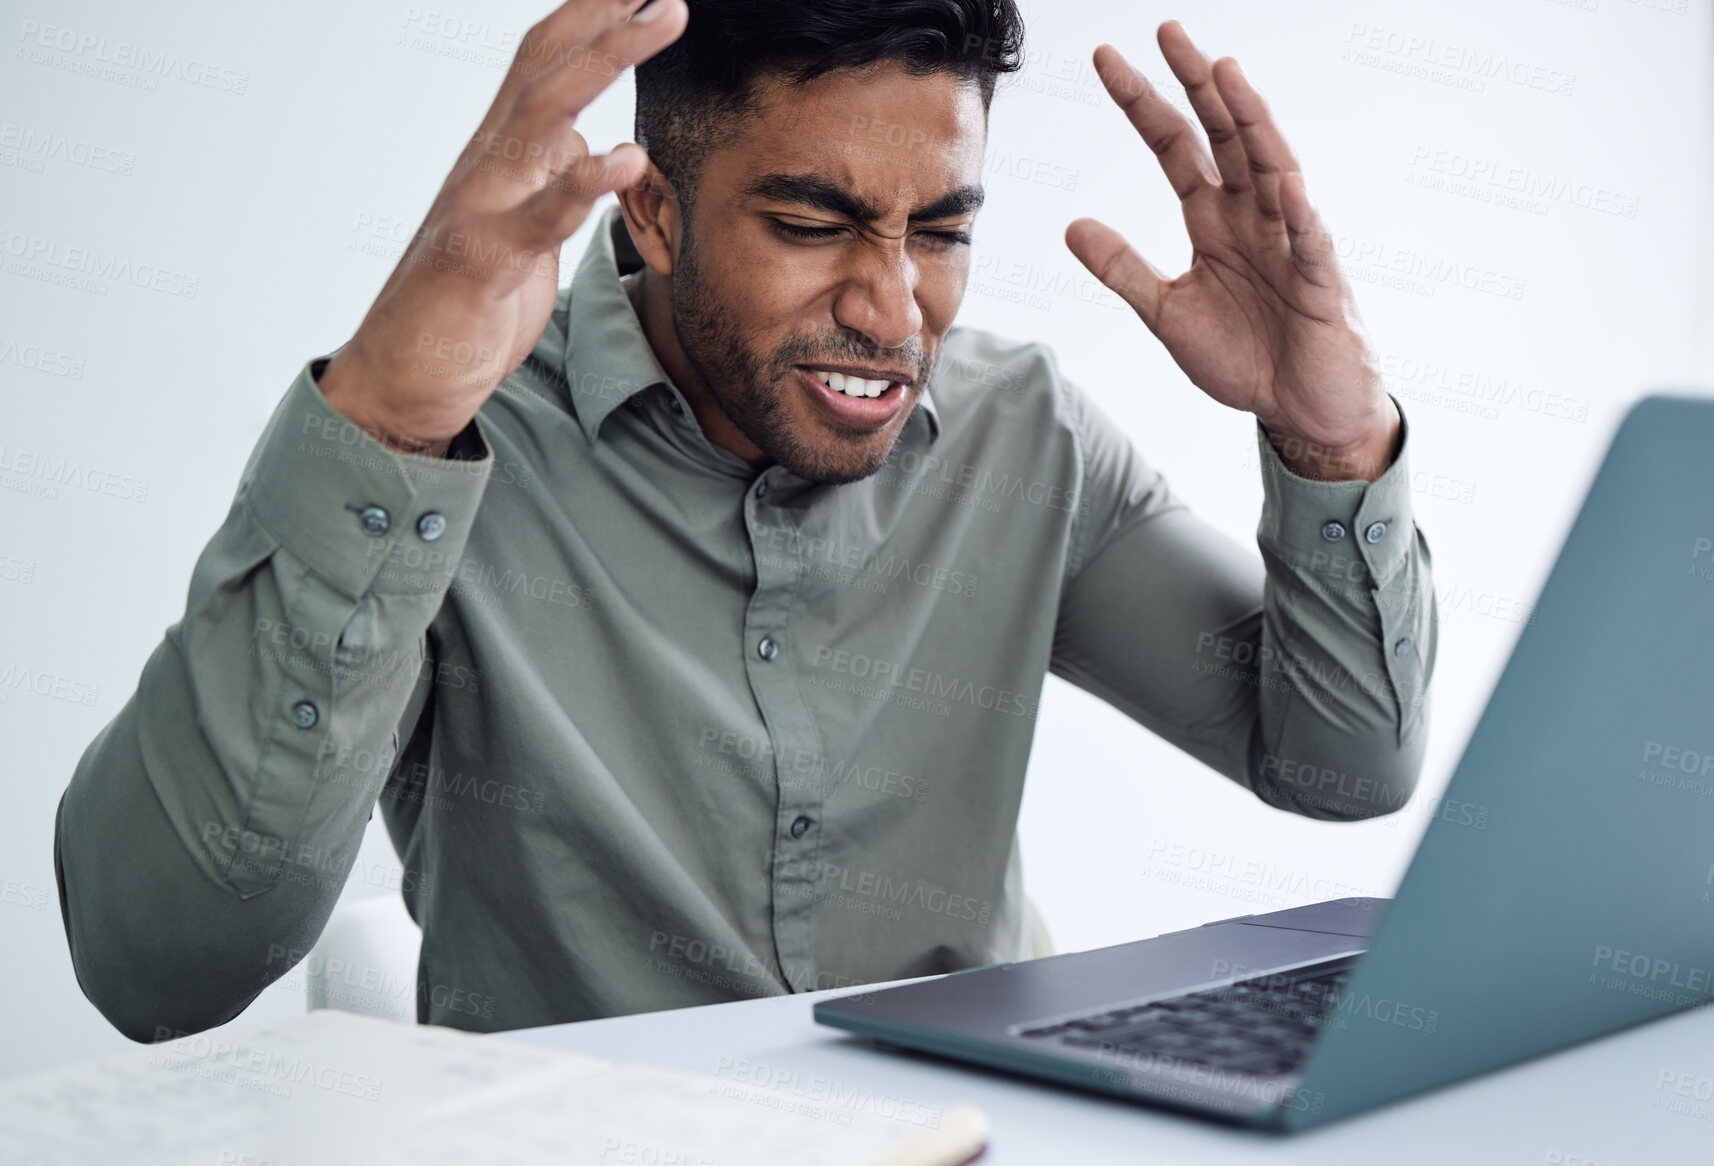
(690, 645)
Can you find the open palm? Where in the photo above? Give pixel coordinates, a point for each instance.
(1262, 320)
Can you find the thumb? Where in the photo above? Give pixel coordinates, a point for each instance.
(1118, 265)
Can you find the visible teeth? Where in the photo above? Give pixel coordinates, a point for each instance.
(851, 386)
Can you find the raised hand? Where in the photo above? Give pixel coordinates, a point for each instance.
(1263, 320)
(475, 288)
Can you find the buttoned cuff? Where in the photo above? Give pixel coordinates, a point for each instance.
(1354, 546)
(362, 516)
(1314, 524)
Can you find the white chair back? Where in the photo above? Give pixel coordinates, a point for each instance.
(366, 960)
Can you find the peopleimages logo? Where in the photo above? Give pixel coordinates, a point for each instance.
(31, 468)
(983, 481)
(792, 550)
(1673, 757)
(1698, 568)
(1489, 175)
(1428, 270)
(37, 146)
(890, 674)
(826, 878)
(1461, 66)
(1344, 1006)
(88, 268)
(1653, 970)
(93, 54)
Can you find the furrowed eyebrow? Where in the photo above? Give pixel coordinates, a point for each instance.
(964, 200)
(813, 191)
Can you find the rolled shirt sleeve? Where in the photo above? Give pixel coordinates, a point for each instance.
(1302, 676)
(264, 724)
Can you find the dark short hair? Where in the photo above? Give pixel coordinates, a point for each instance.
(697, 94)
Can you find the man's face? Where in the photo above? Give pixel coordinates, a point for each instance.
(832, 238)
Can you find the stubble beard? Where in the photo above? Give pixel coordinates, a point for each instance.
(742, 382)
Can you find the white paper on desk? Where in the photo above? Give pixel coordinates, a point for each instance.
(332, 1088)
(324, 1087)
(657, 1117)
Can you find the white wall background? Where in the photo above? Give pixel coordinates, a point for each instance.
(287, 203)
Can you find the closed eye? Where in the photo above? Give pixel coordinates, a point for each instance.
(793, 230)
(797, 232)
(950, 238)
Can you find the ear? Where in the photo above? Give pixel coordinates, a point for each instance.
(651, 209)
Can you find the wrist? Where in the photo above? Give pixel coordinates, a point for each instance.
(1364, 457)
(339, 383)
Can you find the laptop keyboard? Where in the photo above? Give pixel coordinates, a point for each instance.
(1264, 1025)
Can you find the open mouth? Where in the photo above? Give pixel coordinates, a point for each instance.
(866, 402)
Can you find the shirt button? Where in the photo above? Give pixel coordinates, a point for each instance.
(1333, 531)
(375, 521)
(304, 715)
(1403, 646)
(767, 649)
(432, 525)
(762, 488)
(1376, 532)
(799, 827)
(677, 406)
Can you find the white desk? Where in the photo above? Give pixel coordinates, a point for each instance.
(1600, 1104)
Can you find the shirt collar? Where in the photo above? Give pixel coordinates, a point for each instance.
(607, 358)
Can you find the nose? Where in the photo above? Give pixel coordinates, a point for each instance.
(879, 298)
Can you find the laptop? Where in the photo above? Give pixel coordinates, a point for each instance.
(1576, 898)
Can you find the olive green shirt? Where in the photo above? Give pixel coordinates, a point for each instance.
(652, 728)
